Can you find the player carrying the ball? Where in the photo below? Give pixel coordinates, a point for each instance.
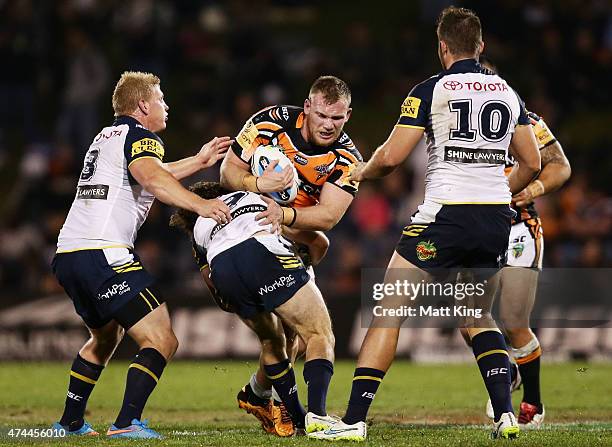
(312, 137)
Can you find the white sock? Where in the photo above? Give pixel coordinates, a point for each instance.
(259, 391)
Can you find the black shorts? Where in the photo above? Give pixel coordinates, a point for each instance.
(102, 291)
(457, 236)
(257, 275)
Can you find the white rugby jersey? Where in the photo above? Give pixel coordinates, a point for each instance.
(110, 205)
(469, 115)
(213, 238)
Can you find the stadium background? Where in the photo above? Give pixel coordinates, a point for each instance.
(220, 62)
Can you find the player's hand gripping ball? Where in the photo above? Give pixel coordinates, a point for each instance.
(262, 157)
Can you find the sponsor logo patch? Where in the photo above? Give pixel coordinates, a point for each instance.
(92, 192)
(453, 85)
(410, 107)
(300, 160)
(283, 281)
(459, 154)
(148, 145)
(115, 289)
(517, 250)
(246, 138)
(426, 250)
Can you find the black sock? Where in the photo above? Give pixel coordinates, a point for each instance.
(142, 377)
(282, 377)
(492, 357)
(253, 398)
(317, 375)
(530, 373)
(83, 378)
(365, 384)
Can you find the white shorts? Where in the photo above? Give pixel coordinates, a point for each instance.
(526, 245)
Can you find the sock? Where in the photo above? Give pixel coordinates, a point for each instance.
(275, 396)
(365, 384)
(528, 360)
(317, 375)
(283, 379)
(142, 377)
(513, 372)
(83, 378)
(490, 351)
(258, 395)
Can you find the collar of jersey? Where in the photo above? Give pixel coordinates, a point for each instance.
(124, 119)
(464, 66)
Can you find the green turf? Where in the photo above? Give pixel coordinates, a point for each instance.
(429, 405)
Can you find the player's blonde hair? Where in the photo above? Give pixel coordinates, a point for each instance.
(333, 89)
(130, 89)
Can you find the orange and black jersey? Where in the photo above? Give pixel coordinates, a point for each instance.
(316, 165)
(545, 138)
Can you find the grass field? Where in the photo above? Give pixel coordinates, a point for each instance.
(418, 405)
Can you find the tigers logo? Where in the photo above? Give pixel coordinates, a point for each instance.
(517, 250)
(425, 250)
(324, 169)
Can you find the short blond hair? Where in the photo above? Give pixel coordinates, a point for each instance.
(332, 88)
(130, 89)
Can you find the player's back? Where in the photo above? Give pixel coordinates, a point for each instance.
(215, 238)
(469, 114)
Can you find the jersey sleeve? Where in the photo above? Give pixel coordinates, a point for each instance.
(415, 108)
(259, 130)
(142, 143)
(348, 157)
(523, 118)
(542, 133)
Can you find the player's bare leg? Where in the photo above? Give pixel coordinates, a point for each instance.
(307, 314)
(157, 342)
(255, 396)
(85, 372)
(258, 397)
(380, 343)
(280, 420)
(518, 294)
(375, 357)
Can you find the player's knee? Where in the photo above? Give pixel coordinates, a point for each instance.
(323, 339)
(173, 345)
(106, 341)
(275, 344)
(163, 341)
(516, 335)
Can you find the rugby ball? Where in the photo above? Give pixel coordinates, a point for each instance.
(262, 157)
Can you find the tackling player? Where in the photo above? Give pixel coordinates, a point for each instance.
(312, 137)
(95, 263)
(469, 116)
(255, 273)
(519, 277)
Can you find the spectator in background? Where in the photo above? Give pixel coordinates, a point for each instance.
(87, 80)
